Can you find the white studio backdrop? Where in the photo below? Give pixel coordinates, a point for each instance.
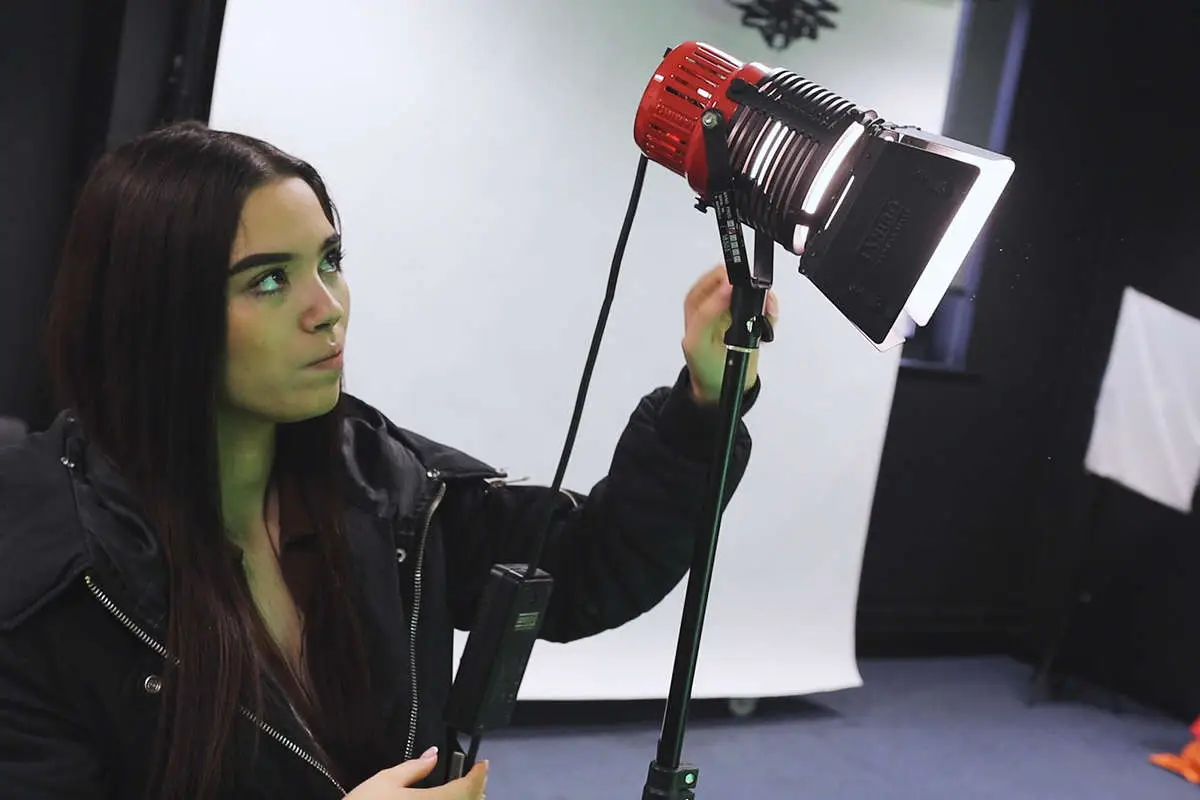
(482, 157)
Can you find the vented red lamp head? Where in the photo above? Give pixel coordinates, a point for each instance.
(881, 215)
(691, 79)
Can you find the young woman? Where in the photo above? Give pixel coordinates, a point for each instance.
(223, 577)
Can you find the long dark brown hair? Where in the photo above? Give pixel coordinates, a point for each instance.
(135, 344)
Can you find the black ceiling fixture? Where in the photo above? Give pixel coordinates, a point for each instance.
(782, 22)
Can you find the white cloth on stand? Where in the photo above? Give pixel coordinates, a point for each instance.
(1146, 433)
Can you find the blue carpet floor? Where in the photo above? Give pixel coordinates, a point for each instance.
(955, 729)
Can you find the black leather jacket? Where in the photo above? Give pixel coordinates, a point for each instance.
(83, 596)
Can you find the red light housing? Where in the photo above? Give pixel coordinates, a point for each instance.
(692, 78)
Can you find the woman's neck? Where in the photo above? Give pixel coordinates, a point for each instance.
(246, 457)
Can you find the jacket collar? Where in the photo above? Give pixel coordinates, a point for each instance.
(382, 460)
(42, 547)
(65, 509)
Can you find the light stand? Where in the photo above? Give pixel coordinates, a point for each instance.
(669, 778)
(881, 214)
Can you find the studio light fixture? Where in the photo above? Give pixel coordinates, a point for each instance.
(880, 214)
(781, 22)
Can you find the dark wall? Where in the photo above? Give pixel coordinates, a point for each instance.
(76, 77)
(1136, 563)
(142, 69)
(977, 519)
(47, 49)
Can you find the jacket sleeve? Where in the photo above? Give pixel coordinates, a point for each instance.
(617, 552)
(44, 755)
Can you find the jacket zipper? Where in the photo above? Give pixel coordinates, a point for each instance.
(412, 628)
(264, 726)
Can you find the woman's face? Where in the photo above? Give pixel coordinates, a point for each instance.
(288, 308)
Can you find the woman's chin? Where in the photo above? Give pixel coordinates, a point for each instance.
(315, 404)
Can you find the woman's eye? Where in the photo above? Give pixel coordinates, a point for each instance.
(276, 280)
(333, 259)
(271, 283)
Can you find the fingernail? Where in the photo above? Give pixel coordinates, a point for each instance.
(430, 753)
